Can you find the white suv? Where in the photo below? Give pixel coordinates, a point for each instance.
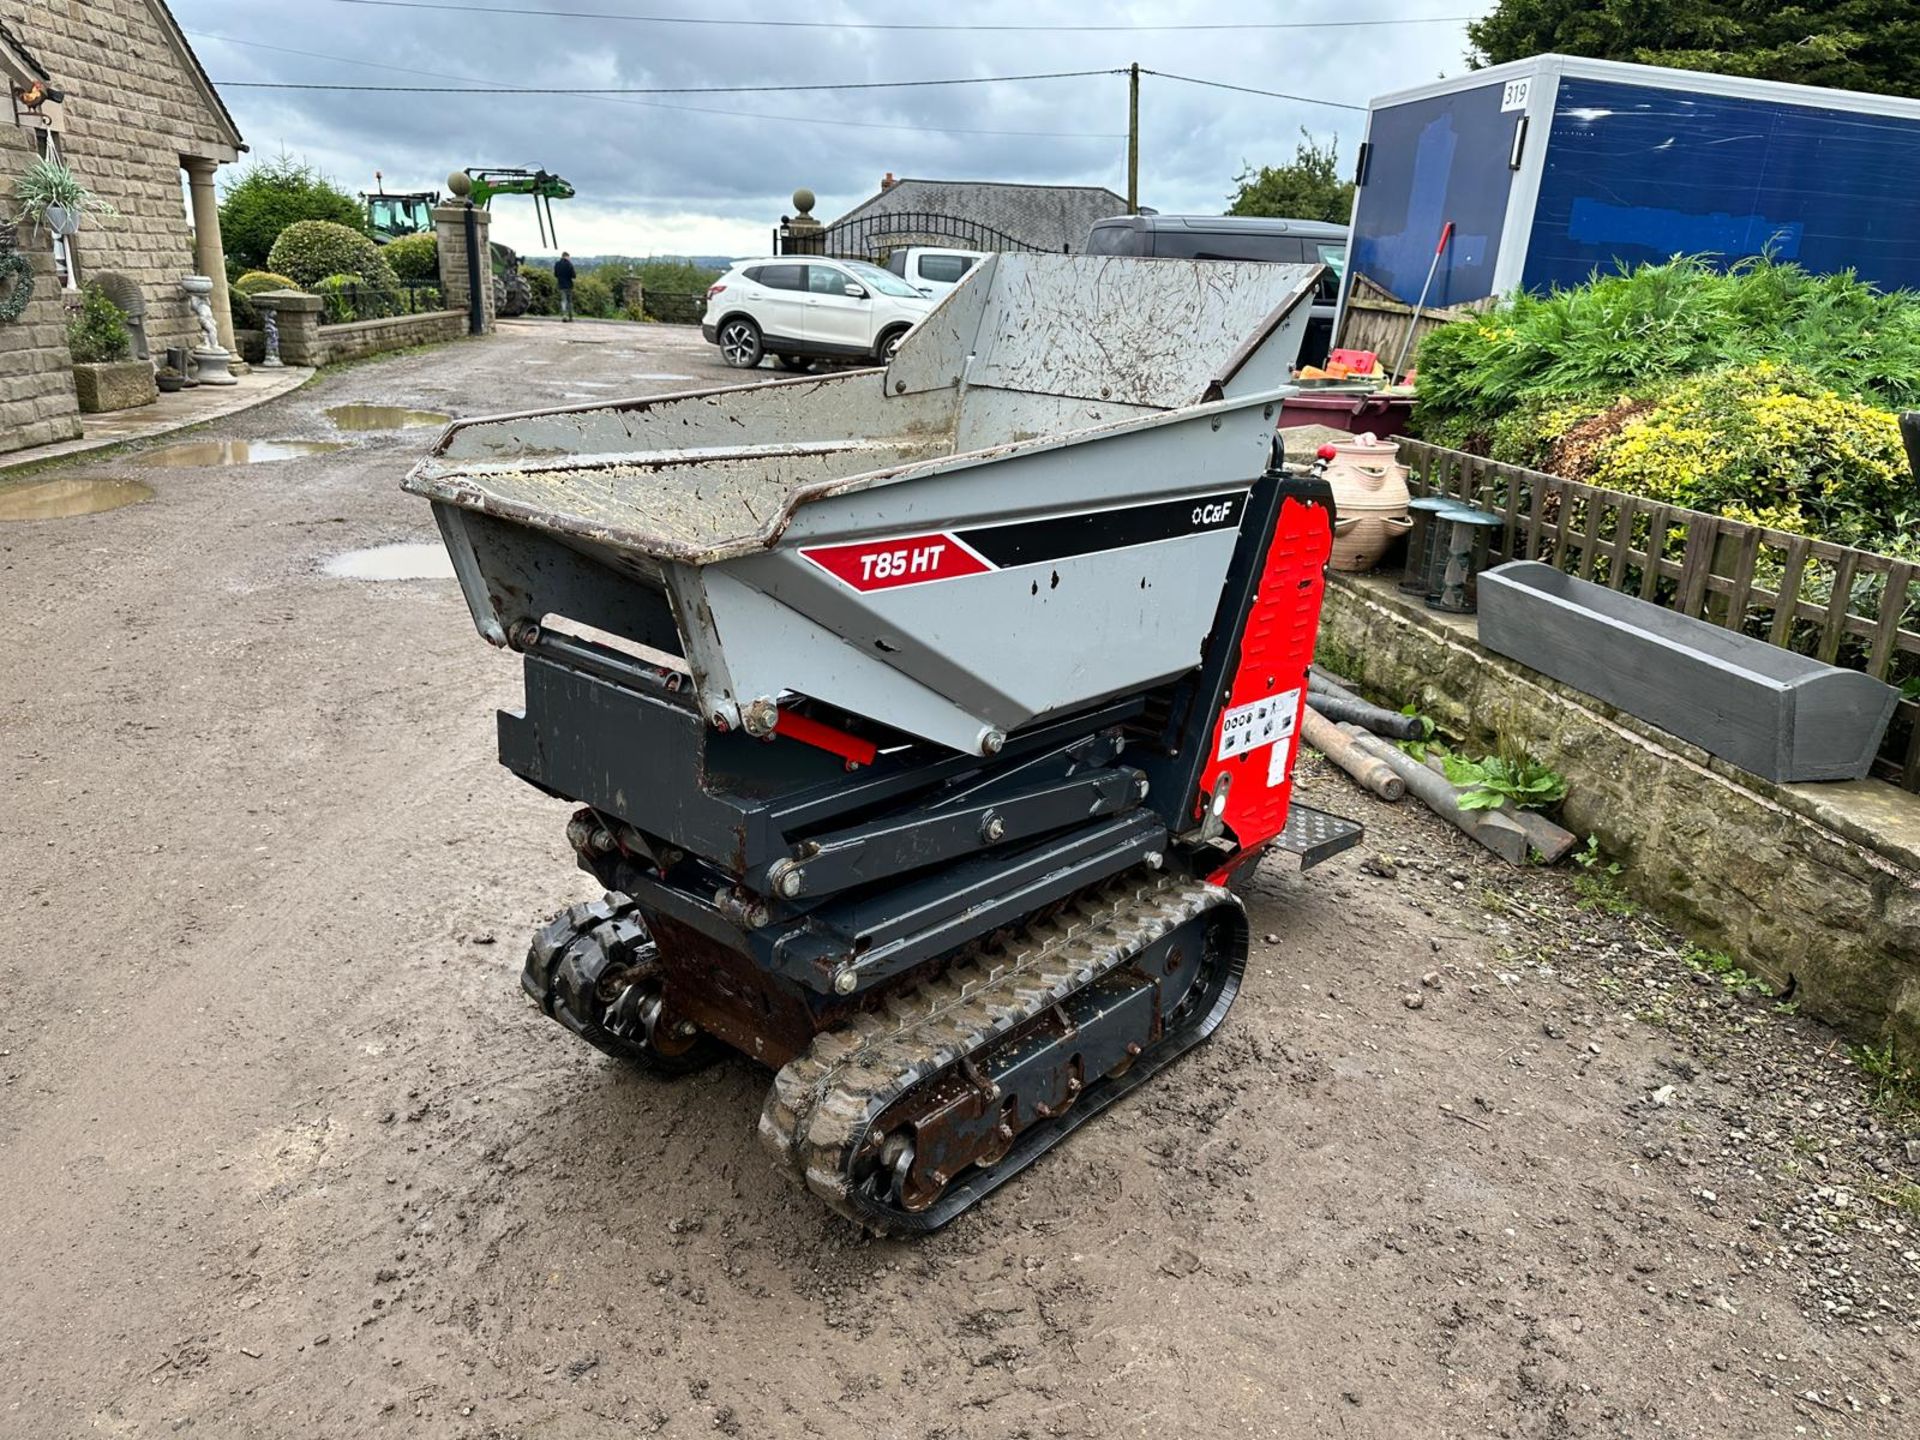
(804, 308)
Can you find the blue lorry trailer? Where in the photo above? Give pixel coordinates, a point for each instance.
(1553, 167)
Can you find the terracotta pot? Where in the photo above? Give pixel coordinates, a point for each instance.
(1369, 501)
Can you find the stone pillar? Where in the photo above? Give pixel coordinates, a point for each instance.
(450, 228)
(800, 233)
(208, 253)
(299, 315)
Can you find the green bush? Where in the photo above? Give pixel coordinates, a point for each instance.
(245, 316)
(544, 298)
(657, 276)
(1765, 443)
(592, 296)
(256, 282)
(312, 250)
(1624, 334)
(99, 332)
(414, 257)
(272, 194)
(348, 297)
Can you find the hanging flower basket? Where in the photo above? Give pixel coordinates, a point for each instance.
(52, 197)
(16, 285)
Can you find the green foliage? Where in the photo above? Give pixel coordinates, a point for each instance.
(1893, 1080)
(99, 332)
(1496, 781)
(1309, 187)
(1598, 884)
(348, 297)
(270, 195)
(592, 296)
(545, 290)
(1848, 44)
(312, 250)
(1722, 967)
(258, 282)
(414, 257)
(1762, 443)
(1622, 333)
(1763, 393)
(45, 182)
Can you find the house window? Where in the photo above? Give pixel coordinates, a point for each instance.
(64, 260)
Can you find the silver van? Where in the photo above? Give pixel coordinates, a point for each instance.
(1234, 237)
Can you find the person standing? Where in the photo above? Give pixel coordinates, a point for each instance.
(563, 272)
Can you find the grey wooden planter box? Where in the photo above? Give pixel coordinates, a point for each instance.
(1779, 715)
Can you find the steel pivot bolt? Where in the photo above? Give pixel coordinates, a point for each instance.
(524, 635)
(991, 741)
(789, 879)
(845, 981)
(760, 716)
(601, 841)
(993, 828)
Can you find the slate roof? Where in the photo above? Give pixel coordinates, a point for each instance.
(1048, 217)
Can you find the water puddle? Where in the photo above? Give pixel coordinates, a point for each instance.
(383, 417)
(237, 452)
(57, 499)
(409, 561)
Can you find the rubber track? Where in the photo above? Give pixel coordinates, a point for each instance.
(825, 1100)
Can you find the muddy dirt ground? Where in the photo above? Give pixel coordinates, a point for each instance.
(284, 1152)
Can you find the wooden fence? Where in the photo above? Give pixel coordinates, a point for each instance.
(1847, 607)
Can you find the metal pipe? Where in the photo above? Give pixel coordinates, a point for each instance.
(1550, 841)
(1338, 747)
(1319, 682)
(1496, 831)
(1390, 723)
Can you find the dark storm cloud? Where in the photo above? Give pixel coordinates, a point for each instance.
(673, 175)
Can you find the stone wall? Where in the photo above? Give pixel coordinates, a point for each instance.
(305, 341)
(1821, 883)
(134, 109)
(396, 332)
(37, 401)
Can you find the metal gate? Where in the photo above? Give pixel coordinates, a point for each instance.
(874, 237)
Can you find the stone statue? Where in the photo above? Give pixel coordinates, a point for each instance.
(211, 360)
(198, 288)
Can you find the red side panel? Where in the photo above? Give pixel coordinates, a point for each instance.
(1257, 733)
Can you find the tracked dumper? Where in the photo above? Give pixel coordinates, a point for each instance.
(922, 718)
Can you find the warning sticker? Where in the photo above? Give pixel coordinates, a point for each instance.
(1261, 722)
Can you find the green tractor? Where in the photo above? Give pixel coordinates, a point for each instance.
(393, 214)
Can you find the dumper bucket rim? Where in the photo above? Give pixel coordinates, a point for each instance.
(426, 480)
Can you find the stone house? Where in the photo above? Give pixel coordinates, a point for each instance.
(975, 214)
(140, 124)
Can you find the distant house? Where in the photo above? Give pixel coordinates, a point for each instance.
(136, 110)
(974, 215)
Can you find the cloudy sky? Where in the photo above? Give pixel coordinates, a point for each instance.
(709, 174)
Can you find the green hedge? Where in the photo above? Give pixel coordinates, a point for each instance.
(414, 257)
(314, 249)
(255, 282)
